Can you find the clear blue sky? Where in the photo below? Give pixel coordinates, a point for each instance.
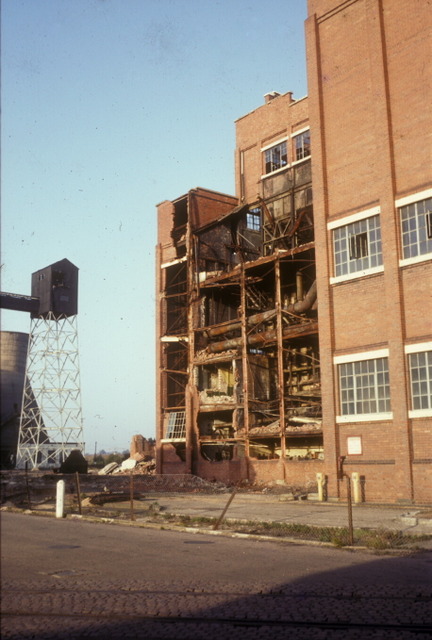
(108, 108)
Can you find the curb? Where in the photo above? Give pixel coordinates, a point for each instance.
(212, 532)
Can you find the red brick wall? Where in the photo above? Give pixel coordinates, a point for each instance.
(227, 471)
(417, 296)
(409, 64)
(360, 317)
(272, 121)
(368, 103)
(422, 475)
(165, 212)
(206, 206)
(300, 474)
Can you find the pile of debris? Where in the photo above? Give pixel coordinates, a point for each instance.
(130, 465)
(140, 460)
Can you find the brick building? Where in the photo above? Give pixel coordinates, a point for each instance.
(294, 333)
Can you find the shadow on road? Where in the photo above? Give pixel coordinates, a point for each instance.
(386, 598)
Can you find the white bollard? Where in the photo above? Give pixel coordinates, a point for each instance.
(60, 499)
(356, 484)
(321, 482)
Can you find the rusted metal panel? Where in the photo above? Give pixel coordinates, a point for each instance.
(17, 302)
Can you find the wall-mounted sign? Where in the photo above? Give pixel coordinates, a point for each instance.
(354, 445)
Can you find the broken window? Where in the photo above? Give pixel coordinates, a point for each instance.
(176, 425)
(253, 220)
(276, 157)
(302, 145)
(357, 246)
(58, 278)
(416, 220)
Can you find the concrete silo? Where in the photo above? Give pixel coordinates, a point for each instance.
(13, 365)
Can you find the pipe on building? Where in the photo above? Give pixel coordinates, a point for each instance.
(300, 306)
(307, 303)
(236, 324)
(264, 337)
(299, 285)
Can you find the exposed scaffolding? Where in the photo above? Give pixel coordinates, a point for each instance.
(51, 417)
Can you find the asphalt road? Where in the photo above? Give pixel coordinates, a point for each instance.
(64, 579)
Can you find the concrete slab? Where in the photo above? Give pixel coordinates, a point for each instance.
(269, 508)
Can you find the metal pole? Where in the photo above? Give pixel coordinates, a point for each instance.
(350, 518)
(221, 517)
(132, 497)
(78, 492)
(27, 485)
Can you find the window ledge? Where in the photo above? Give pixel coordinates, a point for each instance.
(358, 274)
(171, 440)
(274, 173)
(287, 166)
(296, 162)
(365, 417)
(420, 413)
(406, 262)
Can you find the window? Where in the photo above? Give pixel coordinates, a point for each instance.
(416, 221)
(176, 427)
(357, 246)
(276, 157)
(253, 220)
(364, 387)
(420, 366)
(302, 145)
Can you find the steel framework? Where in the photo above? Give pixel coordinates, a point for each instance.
(51, 415)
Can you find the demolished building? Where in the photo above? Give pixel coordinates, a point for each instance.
(293, 325)
(239, 373)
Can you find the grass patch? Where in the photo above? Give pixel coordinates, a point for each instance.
(376, 539)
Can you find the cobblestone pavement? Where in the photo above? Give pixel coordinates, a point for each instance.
(72, 608)
(66, 580)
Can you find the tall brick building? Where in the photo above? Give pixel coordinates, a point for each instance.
(293, 334)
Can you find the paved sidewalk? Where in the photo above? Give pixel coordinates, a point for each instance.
(273, 508)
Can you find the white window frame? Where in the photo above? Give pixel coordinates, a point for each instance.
(346, 222)
(412, 349)
(400, 203)
(175, 426)
(351, 359)
(295, 135)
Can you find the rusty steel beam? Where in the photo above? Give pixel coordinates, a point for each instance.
(279, 340)
(236, 324)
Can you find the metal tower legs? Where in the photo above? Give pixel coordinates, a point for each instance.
(51, 416)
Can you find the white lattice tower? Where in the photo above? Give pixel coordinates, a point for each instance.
(51, 415)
